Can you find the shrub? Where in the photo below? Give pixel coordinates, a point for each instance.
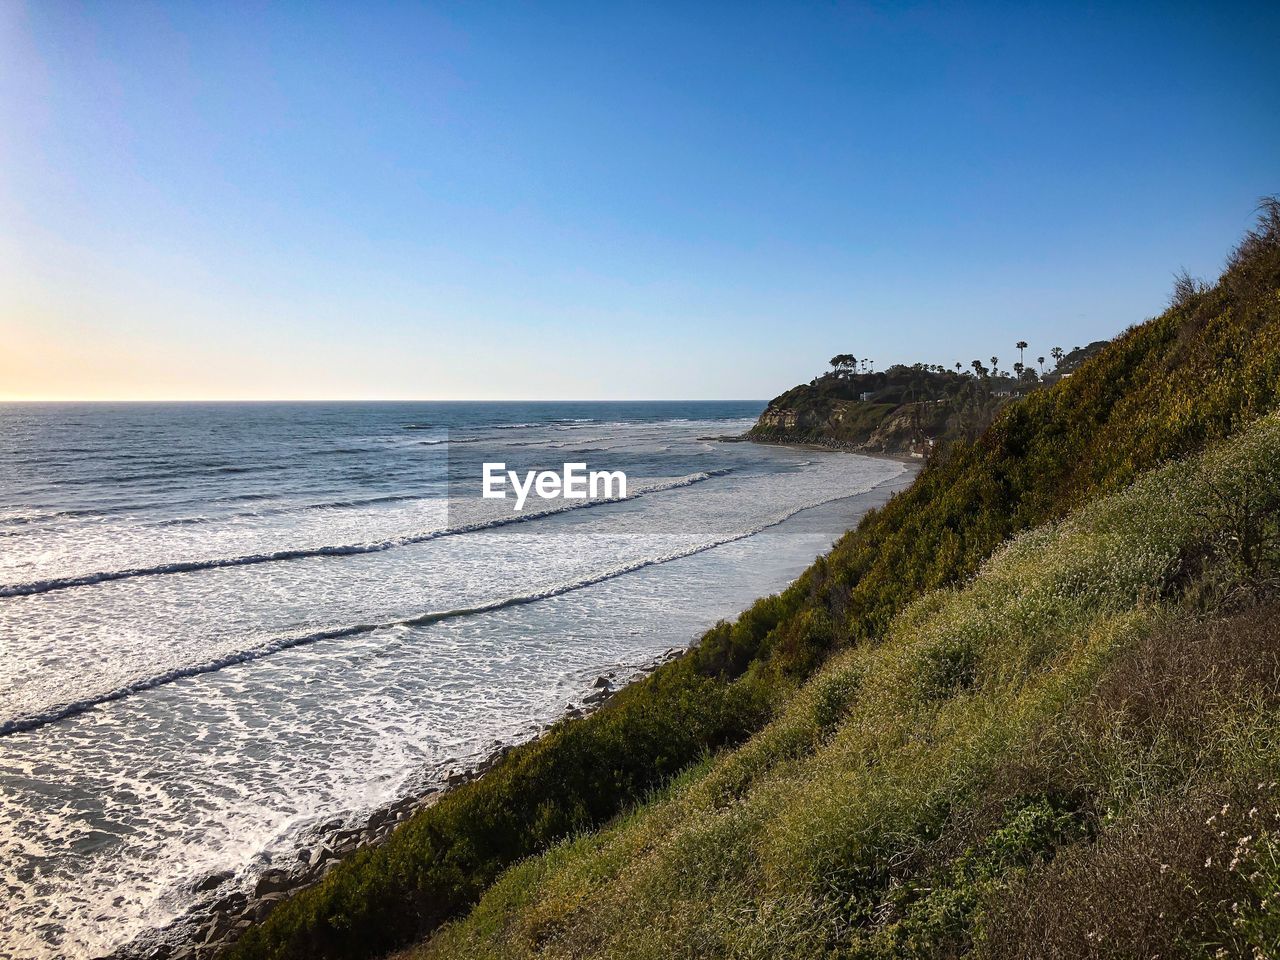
(947, 668)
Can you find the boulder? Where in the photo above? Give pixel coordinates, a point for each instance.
(216, 931)
(314, 856)
(211, 881)
(231, 903)
(272, 881)
(263, 907)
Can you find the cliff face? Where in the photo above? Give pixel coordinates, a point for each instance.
(905, 429)
(808, 414)
(904, 411)
(807, 420)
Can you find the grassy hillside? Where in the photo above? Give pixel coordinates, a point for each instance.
(1199, 372)
(1072, 754)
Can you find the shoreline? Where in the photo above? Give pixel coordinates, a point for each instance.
(218, 919)
(824, 446)
(215, 922)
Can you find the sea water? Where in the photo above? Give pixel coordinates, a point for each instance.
(223, 623)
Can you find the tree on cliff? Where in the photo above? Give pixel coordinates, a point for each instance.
(844, 363)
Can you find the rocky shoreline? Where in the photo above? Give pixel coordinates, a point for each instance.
(219, 919)
(823, 443)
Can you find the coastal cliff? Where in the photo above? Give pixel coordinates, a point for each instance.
(897, 430)
(1029, 707)
(904, 411)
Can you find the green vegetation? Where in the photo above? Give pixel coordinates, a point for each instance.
(826, 830)
(911, 799)
(922, 408)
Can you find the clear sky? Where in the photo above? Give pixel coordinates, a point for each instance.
(603, 200)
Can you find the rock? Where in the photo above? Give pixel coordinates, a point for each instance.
(597, 697)
(215, 931)
(231, 903)
(272, 881)
(263, 907)
(212, 880)
(345, 841)
(315, 856)
(602, 683)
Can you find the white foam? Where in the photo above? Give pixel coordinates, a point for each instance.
(180, 723)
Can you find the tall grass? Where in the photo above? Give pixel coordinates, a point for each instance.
(913, 791)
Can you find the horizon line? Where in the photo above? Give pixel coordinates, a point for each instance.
(4, 400)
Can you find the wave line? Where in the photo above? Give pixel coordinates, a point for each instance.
(30, 722)
(345, 550)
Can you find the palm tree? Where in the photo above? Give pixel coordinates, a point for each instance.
(995, 366)
(1020, 346)
(1018, 368)
(1056, 353)
(959, 366)
(1040, 360)
(978, 369)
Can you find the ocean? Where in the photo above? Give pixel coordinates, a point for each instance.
(222, 624)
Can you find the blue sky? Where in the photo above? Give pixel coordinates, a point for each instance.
(597, 200)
